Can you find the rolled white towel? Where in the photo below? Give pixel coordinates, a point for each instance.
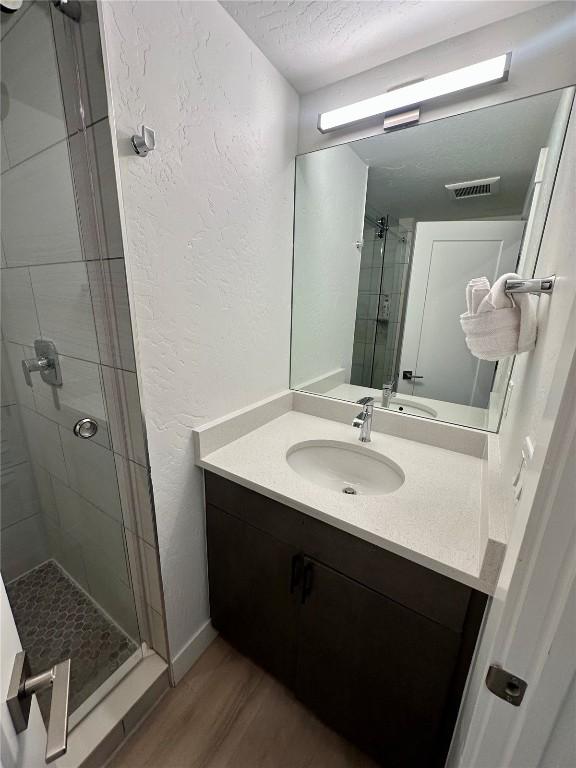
(477, 282)
(492, 335)
(479, 293)
(497, 298)
(502, 324)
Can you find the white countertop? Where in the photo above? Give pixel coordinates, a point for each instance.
(433, 519)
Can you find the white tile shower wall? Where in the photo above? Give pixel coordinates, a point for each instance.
(34, 116)
(542, 45)
(20, 510)
(7, 389)
(64, 306)
(43, 438)
(328, 222)
(19, 318)
(19, 495)
(15, 353)
(24, 546)
(31, 232)
(79, 395)
(208, 222)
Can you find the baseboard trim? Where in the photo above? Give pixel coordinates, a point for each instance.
(192, 651)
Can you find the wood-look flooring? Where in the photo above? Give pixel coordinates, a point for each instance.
(228, 713)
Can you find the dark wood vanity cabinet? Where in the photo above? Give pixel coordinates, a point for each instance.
(250, 600)
(376, 646)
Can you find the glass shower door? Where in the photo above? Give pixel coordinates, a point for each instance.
(66, 343)
(384, 270)
(391, 302)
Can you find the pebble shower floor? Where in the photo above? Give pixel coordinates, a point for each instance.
(56, 620)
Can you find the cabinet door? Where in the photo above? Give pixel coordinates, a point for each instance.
(254, 592)
(373, 670)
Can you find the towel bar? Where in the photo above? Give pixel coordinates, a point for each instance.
(535, 285)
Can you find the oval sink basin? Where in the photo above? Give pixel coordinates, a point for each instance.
(345, 468)
(407, 406)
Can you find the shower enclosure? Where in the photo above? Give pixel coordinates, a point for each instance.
(78, 542)
(384, 272)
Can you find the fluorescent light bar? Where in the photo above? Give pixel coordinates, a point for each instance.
(489, 71)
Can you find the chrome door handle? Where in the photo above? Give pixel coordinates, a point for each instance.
(409, 376)
(47, 363)
(20, 691)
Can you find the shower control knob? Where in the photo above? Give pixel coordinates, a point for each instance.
(85, 428)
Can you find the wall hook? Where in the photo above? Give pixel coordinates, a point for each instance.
(144, 143)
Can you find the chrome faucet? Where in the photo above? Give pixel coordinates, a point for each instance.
(388, 391)
(364, 419)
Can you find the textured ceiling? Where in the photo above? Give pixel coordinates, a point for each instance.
(320, 42)
(408, 169)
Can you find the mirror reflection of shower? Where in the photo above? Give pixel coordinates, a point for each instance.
(384, 268)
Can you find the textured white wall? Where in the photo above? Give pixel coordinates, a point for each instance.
(208, 222)
(328, 221)
(543, 58)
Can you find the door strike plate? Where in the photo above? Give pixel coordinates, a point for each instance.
(505, 685)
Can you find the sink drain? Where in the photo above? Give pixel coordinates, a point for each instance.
(349, 490)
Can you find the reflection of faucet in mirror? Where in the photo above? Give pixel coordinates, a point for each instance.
(388, 392)
(364, 419)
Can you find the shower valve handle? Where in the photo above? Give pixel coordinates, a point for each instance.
(47, 363)
(35, 364)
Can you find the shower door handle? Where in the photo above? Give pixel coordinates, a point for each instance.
(20, 691)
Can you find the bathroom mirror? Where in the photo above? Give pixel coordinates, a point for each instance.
(389, 230)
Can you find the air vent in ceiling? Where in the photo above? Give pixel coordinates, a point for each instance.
(476, 188)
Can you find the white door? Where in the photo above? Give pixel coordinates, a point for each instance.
(447, 254)
(531, 625)
(26, 749)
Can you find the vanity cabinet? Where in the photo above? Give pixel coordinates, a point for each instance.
(250, 600)
(376, 646)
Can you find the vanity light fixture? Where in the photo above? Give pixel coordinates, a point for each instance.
(410, 96)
